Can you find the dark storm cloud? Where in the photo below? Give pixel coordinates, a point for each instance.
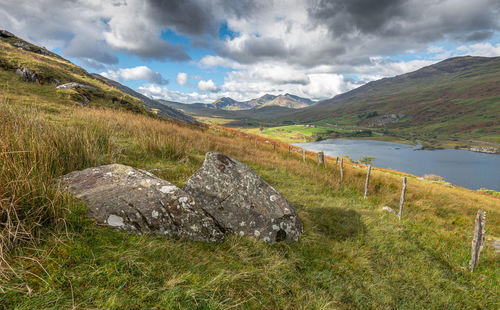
(239, 9)
(367, 16)
(187, 16)
(419, 20)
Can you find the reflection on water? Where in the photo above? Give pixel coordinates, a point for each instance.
(468, 169)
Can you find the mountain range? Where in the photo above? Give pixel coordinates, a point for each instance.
(287, 101)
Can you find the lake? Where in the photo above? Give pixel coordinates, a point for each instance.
(465, 168)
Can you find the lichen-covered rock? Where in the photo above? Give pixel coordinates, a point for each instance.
(242, 202)
(137, 201)
(27, 75)
(73, 85)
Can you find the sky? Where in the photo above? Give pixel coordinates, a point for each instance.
(200, 50)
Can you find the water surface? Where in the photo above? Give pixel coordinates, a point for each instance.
(465, 168)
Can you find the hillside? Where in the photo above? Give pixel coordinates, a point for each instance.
(456, 99)
(48, 70)
(352, 254)
(149, 103)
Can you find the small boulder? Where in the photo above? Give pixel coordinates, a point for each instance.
(73, 85)
(136, 201)
(27, 75)
(242, 202)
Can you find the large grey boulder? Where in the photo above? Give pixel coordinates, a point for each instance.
(135, 200)
(242, 202)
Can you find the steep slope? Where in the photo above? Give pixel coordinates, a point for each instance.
(31, 64)
(262, 100)
(151, 104)
(458, 97)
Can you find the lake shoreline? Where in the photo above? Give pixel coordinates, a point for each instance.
(465, 168)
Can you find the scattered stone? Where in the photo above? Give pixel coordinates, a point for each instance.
(136, 201)
(6, 34)
(27, 75)
(389, 209)
(73, 85)
(22, 46)
(242, 202)
(43, 52)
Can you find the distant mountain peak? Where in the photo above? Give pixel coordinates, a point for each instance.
(283, 100)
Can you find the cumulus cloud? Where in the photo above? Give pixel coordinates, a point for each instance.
(207, 85)
(182, 78)
(159, 92)
(136, 73)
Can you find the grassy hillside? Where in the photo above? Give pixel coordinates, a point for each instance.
(352, 254)
(455, 100)
(52, 70)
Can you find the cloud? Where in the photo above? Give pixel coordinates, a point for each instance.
(480, 49)
(95, 30)
(181, 78)
(158, 92)
(208, 85)
(306, 47)
(136, 73)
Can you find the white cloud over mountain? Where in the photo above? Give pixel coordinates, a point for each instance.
(136, 73)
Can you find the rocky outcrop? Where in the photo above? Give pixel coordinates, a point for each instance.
(27, 75)
(6, 34)
(135, 200)
(242, 202)
(22, 45)
(73, 85)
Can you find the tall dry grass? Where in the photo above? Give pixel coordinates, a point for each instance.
(36, 147)
(33, 152)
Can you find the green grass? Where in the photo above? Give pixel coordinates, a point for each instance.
(351, 255)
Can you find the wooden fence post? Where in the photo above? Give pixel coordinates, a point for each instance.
(289, 150)
(303, 155)
(402, 199)
(367, 180)
(321, 158)
(478, 239)
(341, 169)
(274, 146)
